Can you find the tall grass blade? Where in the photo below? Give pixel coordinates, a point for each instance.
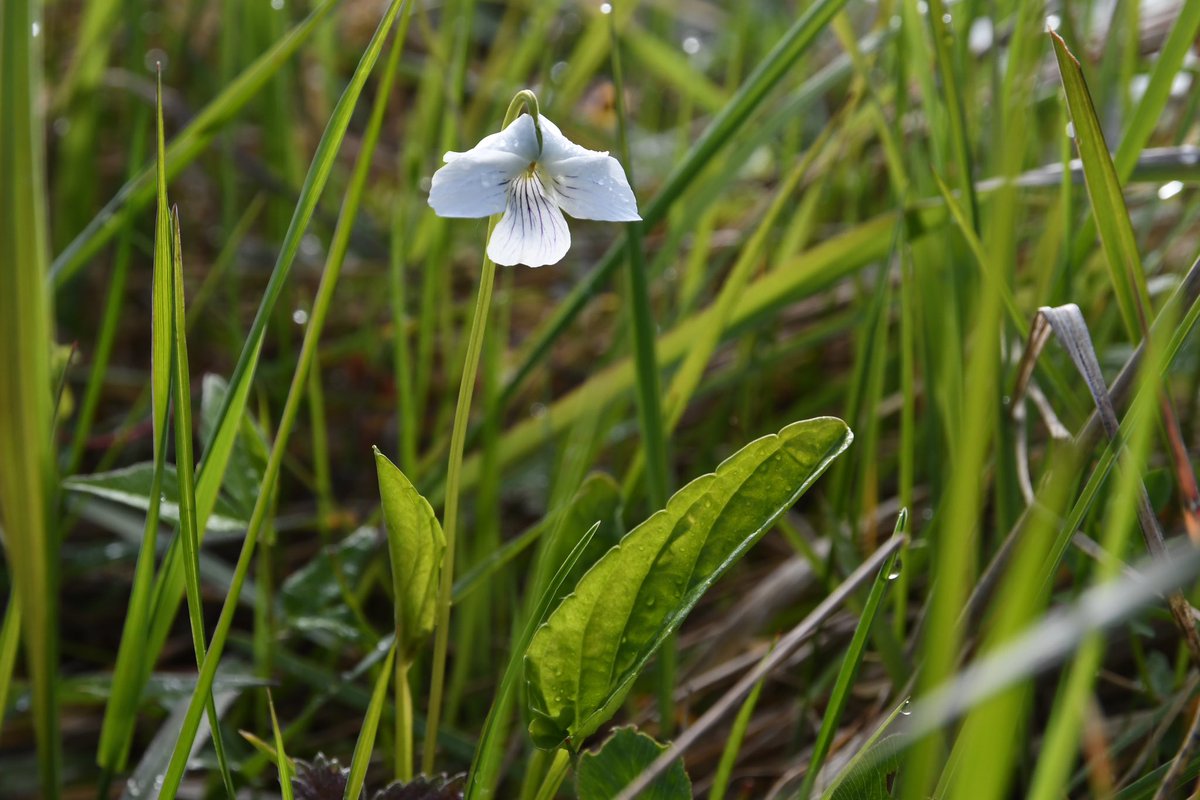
(10, 639)
(282, 763)
(27, 471)
(366, 735)
(1104, 190)
(134, 663)
(850, 665)
(181, 403)
(733, 744)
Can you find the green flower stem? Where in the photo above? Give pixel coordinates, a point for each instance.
(458, 440)
(458, 437)
(404, 722)
(556, 774)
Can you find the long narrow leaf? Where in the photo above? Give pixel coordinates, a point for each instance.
(133, 664)
(850, 664)
(26, 404)
(1104, 190)
(181, 402)
(366, 735)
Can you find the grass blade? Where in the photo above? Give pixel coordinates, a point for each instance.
(1104, 190)
(850, 664)
(133, 662)
(366, 736)
(10, 638)
(26, 404)
(733, 745)
(282, 762)
(181, 402)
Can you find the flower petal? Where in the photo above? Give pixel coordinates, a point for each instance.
(532, 231)
(593, 187)
(556, 147)
(518, 139)
(475, 184)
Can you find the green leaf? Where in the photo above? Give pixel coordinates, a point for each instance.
(602, 774)
(311, 598)
(869, 780)
(143, 486)
(27, 468)
(282, 764)
(416, 546)
(562, 560)
(842, 687)
(132, 486)
(583, 660)
(10, 636)
(1104, 191)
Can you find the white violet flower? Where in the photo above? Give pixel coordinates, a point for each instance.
(532, 184)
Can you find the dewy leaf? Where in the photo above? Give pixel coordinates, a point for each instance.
(131, 486)
(583, 660)
(602, 774)
(416, 545)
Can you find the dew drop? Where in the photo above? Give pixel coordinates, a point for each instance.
(894, 572)
(37, 29)
(906, 709)
(691, 45)
(605, 8)
(156, 60)
(300, 316)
